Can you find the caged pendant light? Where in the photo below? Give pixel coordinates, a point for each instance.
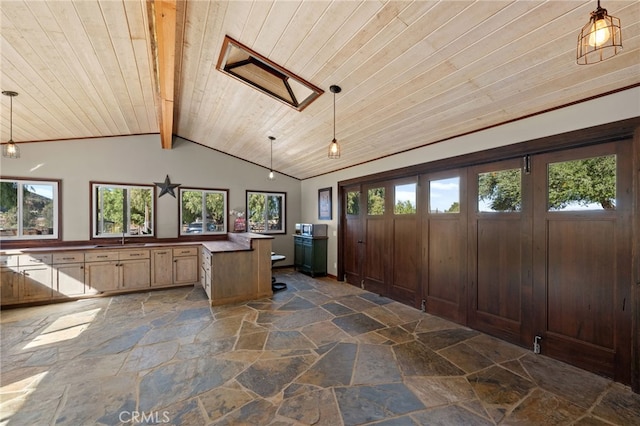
(334, 147)
(600, 39)
(271, 174)
(10, 149)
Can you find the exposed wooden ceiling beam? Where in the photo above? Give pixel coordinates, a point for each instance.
(164, 34)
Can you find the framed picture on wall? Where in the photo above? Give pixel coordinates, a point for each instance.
(324, 204)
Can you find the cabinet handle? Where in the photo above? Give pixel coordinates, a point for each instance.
(161, 252)
(102, 256)
(134, 254)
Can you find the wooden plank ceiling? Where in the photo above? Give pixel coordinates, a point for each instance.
(412, 72)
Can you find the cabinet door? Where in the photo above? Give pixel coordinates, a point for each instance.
(161, 267)
(69, 280)
(9, 285)
(36, 283)
(298, 258)
(135, 274)
(307, 258)
(185, 270)
(102, 276)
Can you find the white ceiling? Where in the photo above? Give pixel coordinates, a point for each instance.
(411, 72)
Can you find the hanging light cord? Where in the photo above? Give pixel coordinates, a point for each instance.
(10, 118)
(271, 169)
(334, 116)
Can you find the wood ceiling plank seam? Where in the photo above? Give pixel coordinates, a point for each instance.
(279, 17)
(43, 125)
(413, 75)
(323, 39)
(52, 62)
(389, 107)
(37, 94)
(193, 88)
(255, 22)
(136, 14)
(76, 45)
(118, 26)
(34, 64)
(95, 26)
(75, 29)
(296, 32)
(409, 85)
(385, 48)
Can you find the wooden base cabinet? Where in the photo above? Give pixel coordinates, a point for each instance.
(310, 255)
(35, 283)
(68, 275)
(185, 265)
(118, 270)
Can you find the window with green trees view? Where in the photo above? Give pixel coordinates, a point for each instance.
(587, 184)
(28, 209)
(405, 199)
(375, 201)
(203, 211)
(122, 210)
(266, 212)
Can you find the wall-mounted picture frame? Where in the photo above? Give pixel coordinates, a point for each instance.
(324, 204)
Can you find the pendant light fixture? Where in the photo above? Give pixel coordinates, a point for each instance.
(10, 149)
(271, 174)
(334, 147)
(600, 39)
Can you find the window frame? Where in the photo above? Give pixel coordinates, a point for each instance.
(283, 229)
(204, 191)
(57, 209)
(93, 185)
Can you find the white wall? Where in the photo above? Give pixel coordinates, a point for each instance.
(140, 159)
(615, 107)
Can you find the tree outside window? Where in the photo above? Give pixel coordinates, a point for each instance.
(122, 210)
(266, 212)
(203, 211)
(28, 209)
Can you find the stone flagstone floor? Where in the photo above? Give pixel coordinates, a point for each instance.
(319, 353)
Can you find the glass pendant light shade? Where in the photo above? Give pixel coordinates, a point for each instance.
(334, 147)
(10, 149)
(600, 39)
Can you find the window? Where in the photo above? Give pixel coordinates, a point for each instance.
(444, 195)
(375, 201)
(122, 210)
(500, 191)
(266, 212)
(203, 211)
(28, 209)
(588, 184)
(353, 203)
(405, 202)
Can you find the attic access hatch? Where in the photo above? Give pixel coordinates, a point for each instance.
(242, 63)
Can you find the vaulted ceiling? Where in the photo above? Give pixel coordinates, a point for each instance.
(412, 72)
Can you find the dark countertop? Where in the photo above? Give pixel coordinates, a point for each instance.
(236, 242)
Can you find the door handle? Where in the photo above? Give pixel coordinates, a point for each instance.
(360, 242)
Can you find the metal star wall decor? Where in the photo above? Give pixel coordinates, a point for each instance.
(167, 187)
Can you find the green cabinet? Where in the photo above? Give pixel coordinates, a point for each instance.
(310, 255)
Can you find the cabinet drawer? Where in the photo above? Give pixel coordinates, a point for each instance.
(9, 260)
(68, 257)
(134, 254)
(100, 256)
(185, 251)
(34, 259)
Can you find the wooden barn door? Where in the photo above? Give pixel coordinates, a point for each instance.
(352, 237)
(444, 244)
(582, 257)
(499, 286)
